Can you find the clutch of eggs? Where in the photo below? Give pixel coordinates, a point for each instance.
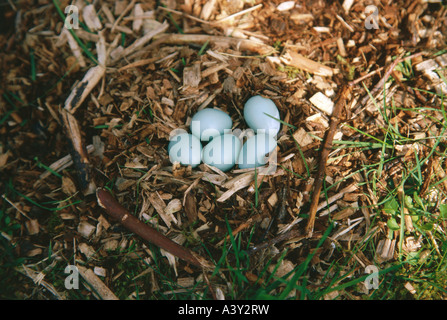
(224, 150)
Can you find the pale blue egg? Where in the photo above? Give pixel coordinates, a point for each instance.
(254, 151)
(259, 113)
(186, 149)
(222, 152)
(208, 123)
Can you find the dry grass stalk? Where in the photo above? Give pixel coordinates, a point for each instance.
(349, 189)
(38, 278)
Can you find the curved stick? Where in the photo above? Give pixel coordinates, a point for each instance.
(130, 222)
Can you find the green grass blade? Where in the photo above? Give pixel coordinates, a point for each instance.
(33, 65)
(202, 49)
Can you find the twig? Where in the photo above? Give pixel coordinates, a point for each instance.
(74, 100)
(213, 294)
(119, 213)
(79, 153)
(15, 207)
(327, 147)
(200, 39)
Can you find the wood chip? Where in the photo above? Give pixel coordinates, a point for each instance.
(4, 158)
(385, 250)
(347, 4)
(410, 288)
(302, 137)
(318, 118)
(192, 76)
(173, 206)
(341, 47)
(322, 102)
(108, 13)
(214, 69)
(100, 288)
(74, 46)
(63, 163)
(273, 199)
(91, 18)
(191, 207)
(86, 229)
(86, 250)
(38, 278)
(99, 271)
(339, 195)
(160, 207)
(140, 42)
(236, 184)
(68, 186)
(200, 39)
(301, 18)
(32, 226)
(137, 12)
(286, 6)
(431, 67)
(296, 60)
(186, 282)
(208, 9)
